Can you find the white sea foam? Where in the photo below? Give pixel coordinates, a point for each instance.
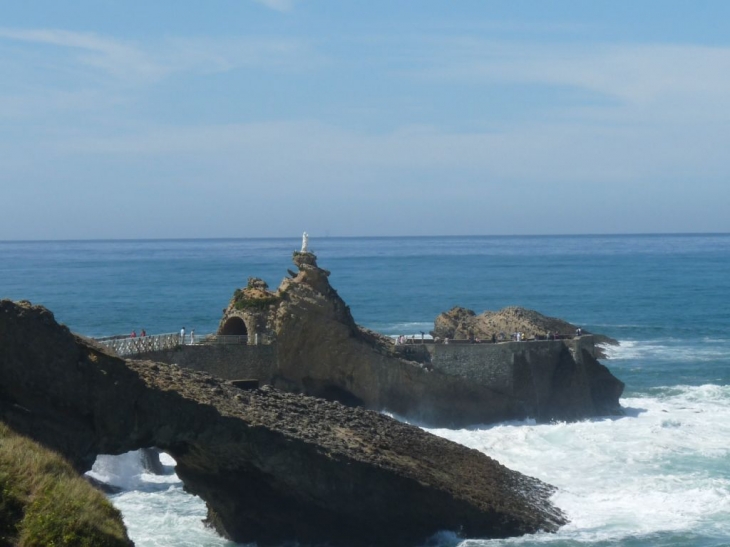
(156, 509)
(669, 349)
(126, 471)
(664, 471)
(165, 518)
(407, 328)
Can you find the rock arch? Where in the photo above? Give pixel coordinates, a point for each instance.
(271, 466)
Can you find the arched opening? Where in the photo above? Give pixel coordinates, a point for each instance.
(234, 327)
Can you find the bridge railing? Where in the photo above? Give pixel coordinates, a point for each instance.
(141, 344)
(125, 345)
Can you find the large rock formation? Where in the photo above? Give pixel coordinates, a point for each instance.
(463, 324)
(321, 351)
(271, 466)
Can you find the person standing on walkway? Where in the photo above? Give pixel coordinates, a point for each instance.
(182, 336)
(192, 336)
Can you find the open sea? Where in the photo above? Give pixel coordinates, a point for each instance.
(660, 476)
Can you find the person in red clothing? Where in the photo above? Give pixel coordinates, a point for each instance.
(133, 335)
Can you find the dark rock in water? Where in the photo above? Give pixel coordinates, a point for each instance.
(151, 461)
(103, 486)
(271, 466)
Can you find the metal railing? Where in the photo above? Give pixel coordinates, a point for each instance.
(140, 344)
(125, 345)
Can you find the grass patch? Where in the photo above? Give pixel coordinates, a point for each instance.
(43, 502)
(260, 303)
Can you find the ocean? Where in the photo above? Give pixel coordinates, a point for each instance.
(659, 476)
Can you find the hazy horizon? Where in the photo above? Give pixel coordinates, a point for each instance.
(397, 236)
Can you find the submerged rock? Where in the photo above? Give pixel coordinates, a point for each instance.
(271, 466)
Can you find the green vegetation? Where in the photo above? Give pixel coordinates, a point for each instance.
(254, 297)
(241, 302)
(44, 503)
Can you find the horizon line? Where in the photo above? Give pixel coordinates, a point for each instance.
(228, 238)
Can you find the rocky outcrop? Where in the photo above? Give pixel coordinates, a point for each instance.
(321, 351)
(271, 466)
(463, 324)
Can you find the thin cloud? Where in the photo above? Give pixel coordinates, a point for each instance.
(635, 73)
(140, 64)
(552, 153)
(119, 59)
(278, 5)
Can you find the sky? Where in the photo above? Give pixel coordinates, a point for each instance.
(265, 118)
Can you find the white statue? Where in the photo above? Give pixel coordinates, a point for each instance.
(305, 242)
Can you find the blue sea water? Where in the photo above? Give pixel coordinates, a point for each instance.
(659, 476)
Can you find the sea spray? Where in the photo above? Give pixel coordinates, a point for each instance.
(661, 472)
(156, 509)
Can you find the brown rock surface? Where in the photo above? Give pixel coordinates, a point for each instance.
(461, 324)
(271, 466)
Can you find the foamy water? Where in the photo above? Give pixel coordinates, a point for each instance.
(671, 350)
(156, 509)
(661, 472)
(658, 476)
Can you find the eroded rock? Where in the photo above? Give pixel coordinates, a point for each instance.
(271, 466)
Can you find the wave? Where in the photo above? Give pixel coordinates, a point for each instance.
(670, 349)
(408, 328)
(659, 473)
(128, 472)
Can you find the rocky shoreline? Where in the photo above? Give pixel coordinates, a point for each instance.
(271, 466)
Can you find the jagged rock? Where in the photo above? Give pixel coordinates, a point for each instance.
(257, 283)
(271, 466)
(321, 351)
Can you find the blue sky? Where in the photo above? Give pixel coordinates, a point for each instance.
(244, 118)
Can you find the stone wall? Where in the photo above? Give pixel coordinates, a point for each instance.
(227, 361)
(493, 365)
(452, 384)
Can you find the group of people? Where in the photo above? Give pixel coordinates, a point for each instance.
(134, 333)
(403, 339)
(182, 336)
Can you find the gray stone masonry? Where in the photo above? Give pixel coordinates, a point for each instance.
(492, 365)
(226, 361)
